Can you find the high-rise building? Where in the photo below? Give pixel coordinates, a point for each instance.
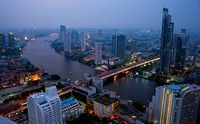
(67, 43)
(45, 108)
(98, 53)
(62, 34)
(74, 36)
(82, 41)
(118, 46)
(2, 42)
(180, 53)
(99, 34)
(174, 104)
(166, 40)
(133, 46)
(11, 40)
(184, 37)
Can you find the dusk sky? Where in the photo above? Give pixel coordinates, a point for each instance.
(98, 13)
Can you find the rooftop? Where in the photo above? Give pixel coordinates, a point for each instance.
(105, 100)
(67, 102)
(173, 87)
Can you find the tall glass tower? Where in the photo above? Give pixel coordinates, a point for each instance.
(118, 46)
(166, 40)
(2, 42)
(11, 40)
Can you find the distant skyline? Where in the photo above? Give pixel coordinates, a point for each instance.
(98, 13)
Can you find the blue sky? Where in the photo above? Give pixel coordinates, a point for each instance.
(98, 13)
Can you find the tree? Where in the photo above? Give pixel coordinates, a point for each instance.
(55, 77)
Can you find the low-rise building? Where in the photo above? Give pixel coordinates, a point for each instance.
(71, 107)
(82, 93)
(103, 105)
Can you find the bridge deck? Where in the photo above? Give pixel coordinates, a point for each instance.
(125, 68)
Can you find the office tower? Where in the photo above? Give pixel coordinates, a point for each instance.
(174, 104)
(67, 43)
(11, 40)
(166, 39)
(98, 53)
(118, 46)
(184, 37)
(98, 83)
(82, 41)
(74, 36)
(180, 53)
(45, 108)
(2, 42)
(62, 34)
(99, 34)
(133, 46)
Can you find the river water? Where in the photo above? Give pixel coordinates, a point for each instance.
(40, 54)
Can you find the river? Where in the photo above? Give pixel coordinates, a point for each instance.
(40, 54)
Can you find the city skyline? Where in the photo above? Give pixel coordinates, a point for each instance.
(100, 14)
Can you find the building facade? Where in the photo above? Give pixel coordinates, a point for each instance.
(103, 105)
(45, 107)
(11, 40)
(166, 41)
(62, 33)
(98, 83)
(67, 43)
(2, 42)
(71, 107)
(119, 46)
(82, 41)
(180, 54)
(98, 53)
(133, 46)
(174, 104)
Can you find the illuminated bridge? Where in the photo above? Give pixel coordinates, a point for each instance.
(126, 68)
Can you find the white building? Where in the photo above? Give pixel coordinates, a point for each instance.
(174, 104)
(45, 108)
(82, 41)
(71, 107)
(67, 42)
(98, 53)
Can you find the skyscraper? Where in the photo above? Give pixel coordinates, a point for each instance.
(174, 104)
(184, 37)
(118, 46)
(2, 42)
(11, 40)
(74, 36)
(67, 43)
(133, 46)
(99, 34)
(45, 108)
(98, 53)
(62, 33)
(82, 41)
(180, 53)
(166, 40)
